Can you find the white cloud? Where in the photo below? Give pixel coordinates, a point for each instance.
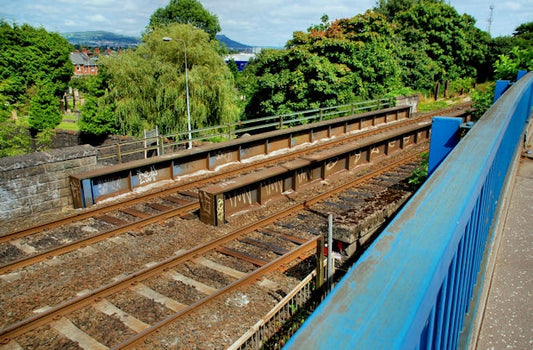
(252, 22)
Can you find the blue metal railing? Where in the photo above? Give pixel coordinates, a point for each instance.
(412, 288)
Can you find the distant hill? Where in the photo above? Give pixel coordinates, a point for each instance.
(233, 45)
(101, 39)
(107, 39)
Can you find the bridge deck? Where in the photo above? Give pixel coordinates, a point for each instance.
(504, 319)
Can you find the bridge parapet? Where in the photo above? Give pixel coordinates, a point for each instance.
(414, 285)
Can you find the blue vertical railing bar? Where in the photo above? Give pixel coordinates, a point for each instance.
(413, 285)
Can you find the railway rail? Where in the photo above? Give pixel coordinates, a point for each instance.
(57, 317)
(269, 248)
(184, 184)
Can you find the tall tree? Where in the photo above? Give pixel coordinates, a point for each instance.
(333, 63)
(186, 12)
(446, 37)
(30, 56)
(147, 87)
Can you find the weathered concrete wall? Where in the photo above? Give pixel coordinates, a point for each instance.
(411, 100)
(39, 182)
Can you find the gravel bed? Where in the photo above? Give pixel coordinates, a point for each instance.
(46, 338)
(144, 309)
(107, 330)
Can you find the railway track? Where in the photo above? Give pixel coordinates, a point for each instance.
(13, 248)
(271, 245)
(256, 234)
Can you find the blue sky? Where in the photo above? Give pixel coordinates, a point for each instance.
(251, 22)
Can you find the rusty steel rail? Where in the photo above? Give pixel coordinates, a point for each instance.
(81, 243)
(460, 110)
(249, 278)
(15, 330)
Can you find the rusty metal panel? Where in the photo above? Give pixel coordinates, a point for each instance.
(289, 182)
(393, 146)
(254, 149)
(378, 151)
(240, 199)
(151, 174)
(207, 207)
(380, 119)
(302, 137)
(223, 157)
(359, 157)
(110, 185)
(408, 140)
(295, 179)
(190, 165)
(75, 189)
(353, 125)
(279, 143)
(301, 178)
(367, 122)
(334, 165)
(270, 189)
(337, 130)
(322, 133)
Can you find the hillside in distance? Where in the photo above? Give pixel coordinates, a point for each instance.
(234, 45)
(101, 39)
(105, 39)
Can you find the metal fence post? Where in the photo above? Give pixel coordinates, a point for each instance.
(331, 267)
(119, 155)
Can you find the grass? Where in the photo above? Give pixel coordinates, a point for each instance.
(68, 123)
(68, 126)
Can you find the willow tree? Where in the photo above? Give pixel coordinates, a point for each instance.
(147, 86)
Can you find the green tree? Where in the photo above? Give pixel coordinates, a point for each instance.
(507, 66)
(333, 63)
(450, 39)
(147, 87)
(29, 56)
(45, 112)
(186, 12)
(14, 139)
(389, 8)
(523, 35)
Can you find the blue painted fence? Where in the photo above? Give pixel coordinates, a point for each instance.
(413, 286)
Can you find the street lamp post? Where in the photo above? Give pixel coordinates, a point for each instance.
(166, 38)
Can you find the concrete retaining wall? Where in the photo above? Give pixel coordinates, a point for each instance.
(39, 182)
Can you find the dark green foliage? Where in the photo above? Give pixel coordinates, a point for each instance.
(14, 139)
(482, 101)
(97, 116)
(420, 174)
(447, 38)
(45, 112)
(348, 59)
(523, 35)
(186, 12)
(29, 56)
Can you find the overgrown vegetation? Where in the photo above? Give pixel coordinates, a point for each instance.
(420, 174)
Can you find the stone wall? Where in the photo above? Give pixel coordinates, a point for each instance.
(37, 183)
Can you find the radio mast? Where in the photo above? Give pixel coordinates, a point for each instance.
(491, 7)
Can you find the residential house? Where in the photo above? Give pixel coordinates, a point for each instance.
(83, 63)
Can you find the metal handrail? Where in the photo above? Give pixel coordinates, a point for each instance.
(413, 286)
(119, 150)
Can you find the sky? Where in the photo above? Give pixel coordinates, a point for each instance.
(250, 22)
